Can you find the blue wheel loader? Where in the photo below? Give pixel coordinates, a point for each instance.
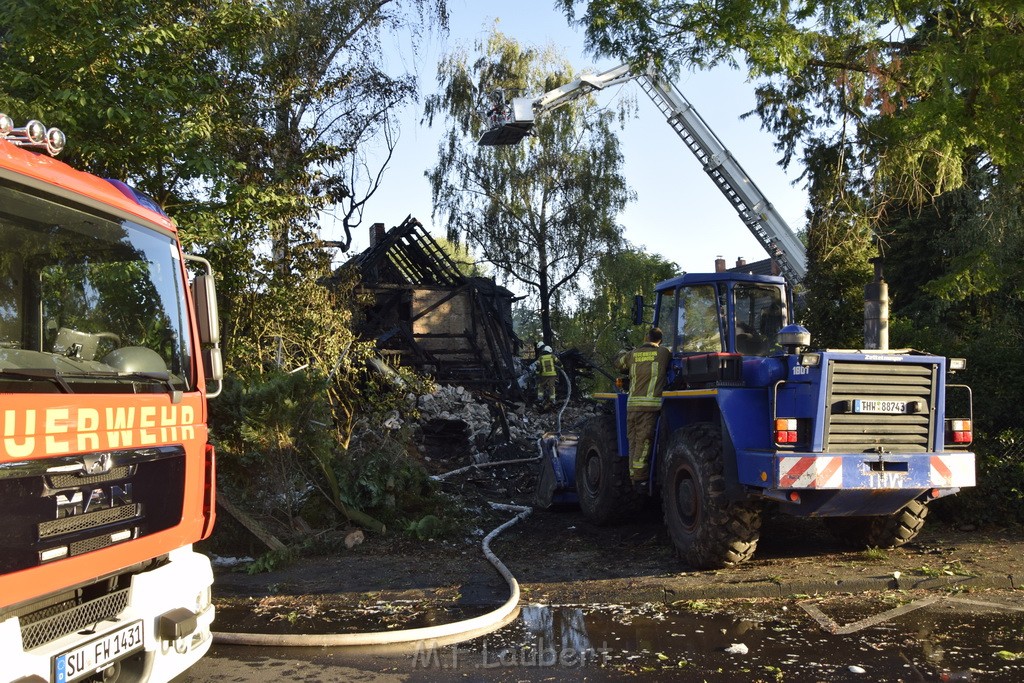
(752, 415)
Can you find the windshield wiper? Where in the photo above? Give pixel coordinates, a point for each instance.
(160, 377)
(58, 378)
(48, 374)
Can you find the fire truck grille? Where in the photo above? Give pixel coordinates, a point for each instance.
(93, 519)
(90, 544)
(59, 620)
(852, 384)
(62, 481)
(53, 510)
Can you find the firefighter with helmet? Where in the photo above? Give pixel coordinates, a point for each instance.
(647, 365)
(547, 375)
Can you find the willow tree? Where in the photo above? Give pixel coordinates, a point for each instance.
(601, 324)
(541, 212)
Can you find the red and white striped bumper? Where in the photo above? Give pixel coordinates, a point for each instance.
(866, 471)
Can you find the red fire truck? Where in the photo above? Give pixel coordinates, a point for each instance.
(108, 348)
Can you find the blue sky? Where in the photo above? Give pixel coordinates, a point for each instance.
(678, 212)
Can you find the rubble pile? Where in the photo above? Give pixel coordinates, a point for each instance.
(459, 428)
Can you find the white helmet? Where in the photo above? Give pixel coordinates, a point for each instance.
(545, 349)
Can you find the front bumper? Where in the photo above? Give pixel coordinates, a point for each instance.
(155, 597)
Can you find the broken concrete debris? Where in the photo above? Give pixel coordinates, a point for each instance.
(457, 427)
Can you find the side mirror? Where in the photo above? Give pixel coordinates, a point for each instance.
(638, 310)
(204, 297)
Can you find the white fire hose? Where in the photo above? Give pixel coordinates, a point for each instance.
(455, 632)
(459, 631)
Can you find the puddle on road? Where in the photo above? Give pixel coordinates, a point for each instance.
(725, 646)
(727, 641)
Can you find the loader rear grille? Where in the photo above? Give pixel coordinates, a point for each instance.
(909, 432)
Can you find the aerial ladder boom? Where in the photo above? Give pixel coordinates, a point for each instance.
(511, 122)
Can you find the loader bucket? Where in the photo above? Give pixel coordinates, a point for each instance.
(556, 484)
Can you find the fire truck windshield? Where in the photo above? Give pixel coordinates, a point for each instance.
(96, 301)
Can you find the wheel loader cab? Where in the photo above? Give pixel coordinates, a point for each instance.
(718, 313)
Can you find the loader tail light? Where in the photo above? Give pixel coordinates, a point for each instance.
(960, 431)
(786, 429)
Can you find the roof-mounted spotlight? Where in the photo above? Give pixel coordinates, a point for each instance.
(55, 141)
(33, 135)
(34, 132)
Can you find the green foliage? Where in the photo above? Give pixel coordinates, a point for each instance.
(271, 561)
(424, 528)
(286, 442)
(541, 212)
(916, 85)
(136, 85)
(601, 324)
(838, 248)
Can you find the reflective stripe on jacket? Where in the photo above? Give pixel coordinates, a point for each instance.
(547, 365)
(647, 366)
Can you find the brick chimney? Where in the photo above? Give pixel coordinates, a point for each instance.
(719, 265)
(741, 262)
(376, 233)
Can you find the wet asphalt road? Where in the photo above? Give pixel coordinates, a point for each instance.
(894, 636)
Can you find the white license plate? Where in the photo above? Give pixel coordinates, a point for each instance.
(86, 659)
(879, 406)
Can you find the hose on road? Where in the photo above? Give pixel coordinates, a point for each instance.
(459, 631)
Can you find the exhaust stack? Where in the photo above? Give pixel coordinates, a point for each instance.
(876, 310)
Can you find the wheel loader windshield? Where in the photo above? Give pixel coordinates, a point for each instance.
(760, 312)
(699, 321)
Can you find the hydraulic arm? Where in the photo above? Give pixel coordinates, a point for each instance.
(511, 122)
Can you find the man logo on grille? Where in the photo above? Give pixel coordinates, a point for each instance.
(91, 500)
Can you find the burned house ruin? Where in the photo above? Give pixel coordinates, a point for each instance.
(424, 313)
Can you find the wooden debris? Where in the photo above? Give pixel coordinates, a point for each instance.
(249, 523)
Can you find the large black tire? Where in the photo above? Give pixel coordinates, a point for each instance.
(708, 530)
(602, 475)
(885, 531)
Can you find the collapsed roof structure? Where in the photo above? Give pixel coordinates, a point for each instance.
(423, 311)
